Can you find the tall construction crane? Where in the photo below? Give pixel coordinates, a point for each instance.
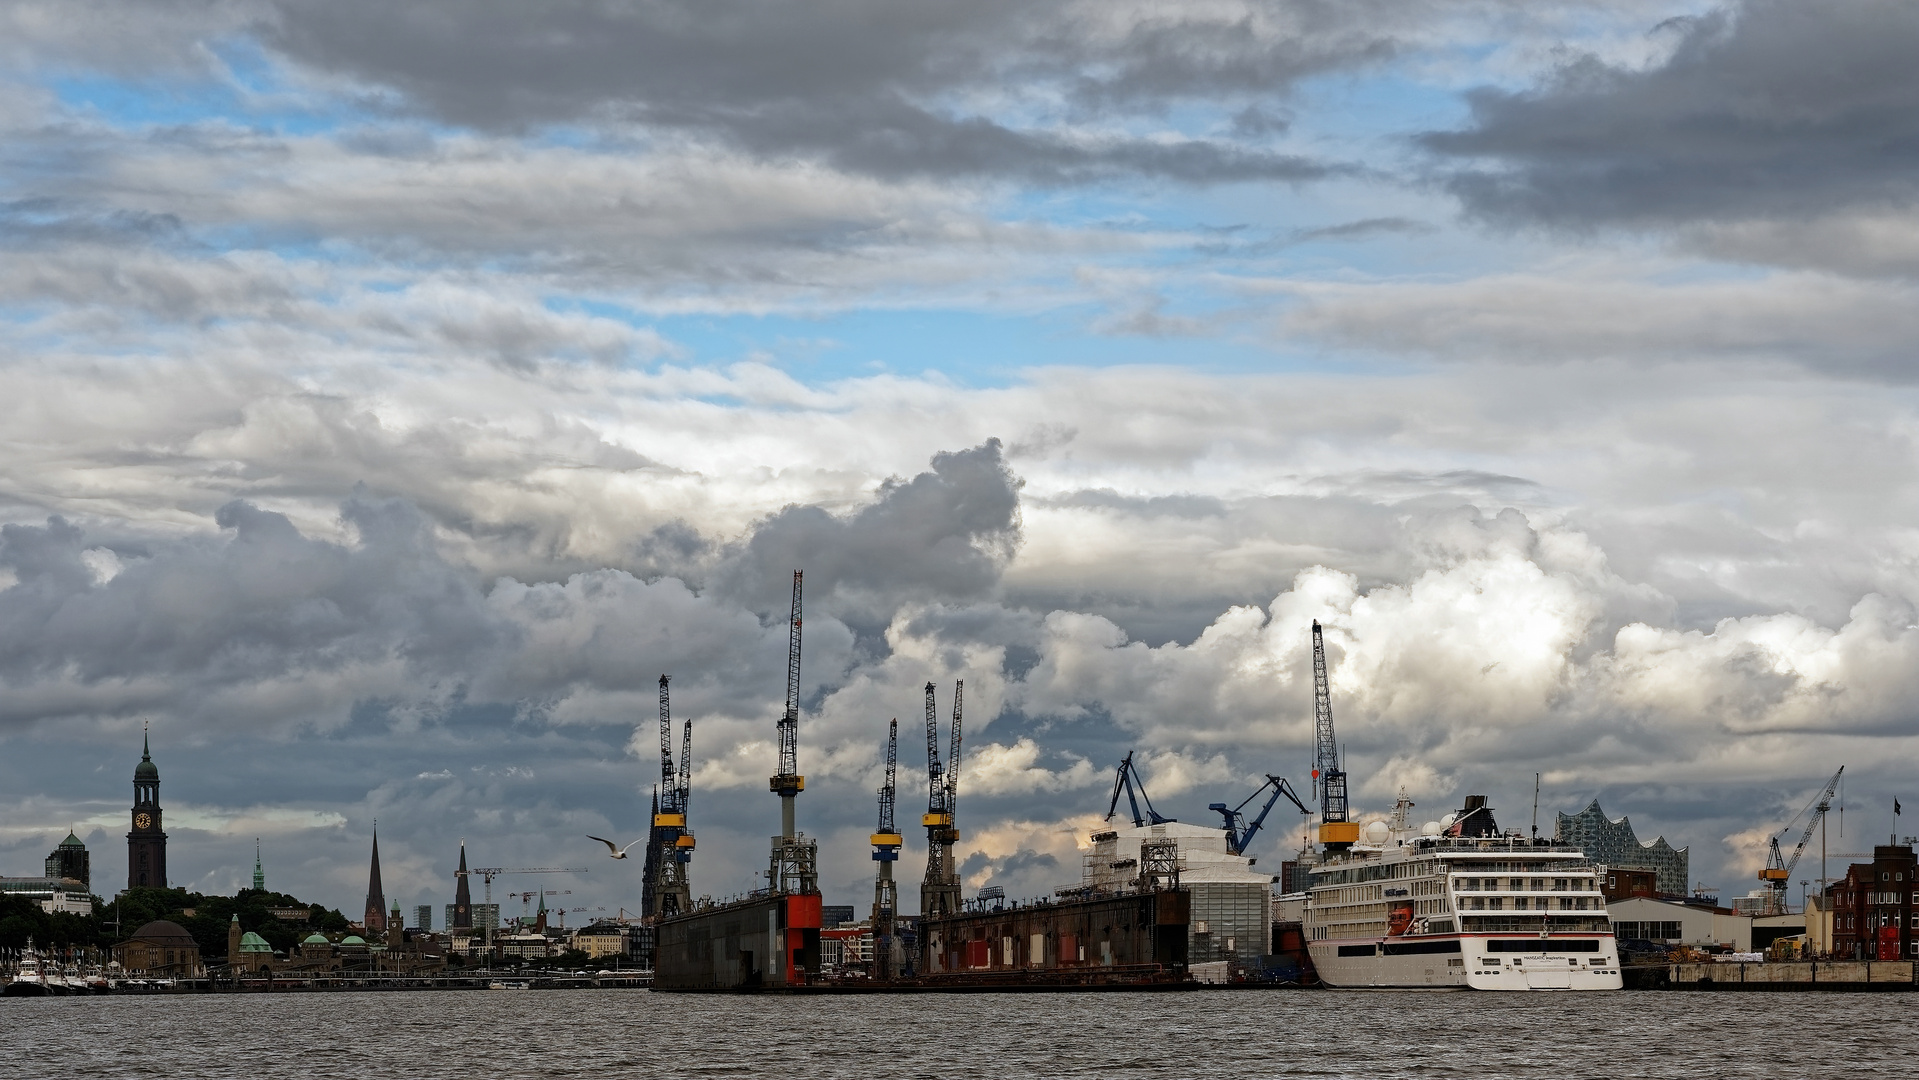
(686, 765)
(1127, 779)
(1336, 833)
(1777, 874)
(940, 890)
(886, 851)
(527, 898)
(488, 873)
(793, 864)
(1239, 833)
(953, 757)
(668, 889)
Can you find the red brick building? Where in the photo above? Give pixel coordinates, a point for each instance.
(1873, 907)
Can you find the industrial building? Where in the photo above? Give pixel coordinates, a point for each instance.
(1672, 921)
(1229, 916)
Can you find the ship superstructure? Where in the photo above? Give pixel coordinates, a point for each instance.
(1458, 904)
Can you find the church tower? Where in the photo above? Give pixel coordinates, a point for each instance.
(146, 844)
(460, 916)
(375, 897)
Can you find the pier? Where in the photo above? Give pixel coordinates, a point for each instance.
(1808, 975)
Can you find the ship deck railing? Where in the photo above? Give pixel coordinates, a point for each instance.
(1497, 844)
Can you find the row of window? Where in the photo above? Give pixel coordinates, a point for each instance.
(1873, 922)
(1391, 871)
(1538, 903)
(1525, 884)
(1355, 894)
(1480, 924)
(1647, 931)
(1847, 899)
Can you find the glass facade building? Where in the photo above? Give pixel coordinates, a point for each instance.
(1612, 843)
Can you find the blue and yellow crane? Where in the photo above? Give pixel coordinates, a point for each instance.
(886, 851)
(940, 890)
(667, 888)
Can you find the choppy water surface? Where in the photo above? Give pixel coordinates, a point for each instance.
(479, 1035)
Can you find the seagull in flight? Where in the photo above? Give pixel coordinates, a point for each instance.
(613, 850)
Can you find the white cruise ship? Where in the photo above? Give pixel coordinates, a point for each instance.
(1456, 904)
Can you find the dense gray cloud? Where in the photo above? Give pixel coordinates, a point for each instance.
(1765, 109)
(945, 534)
(204, 627)
(890, 89)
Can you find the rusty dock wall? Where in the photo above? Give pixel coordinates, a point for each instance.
(763, 942)
(1142, 934)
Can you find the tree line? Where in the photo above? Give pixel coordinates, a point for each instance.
(204, 917)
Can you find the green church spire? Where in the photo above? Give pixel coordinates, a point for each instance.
(259, 874)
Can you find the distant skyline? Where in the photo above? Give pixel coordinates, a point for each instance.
(392, 393)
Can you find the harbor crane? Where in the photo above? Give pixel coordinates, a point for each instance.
(1777, 873)
(488, 873)
(886, 851)
(1239, 833)
(1336, 832)
(1127, 779)
(666, 889)
(940, 890)
(794, 864)
(527, 896)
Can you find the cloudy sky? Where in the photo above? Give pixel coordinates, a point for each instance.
(390, 393)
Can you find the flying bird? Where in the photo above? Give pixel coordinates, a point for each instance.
(613, 850)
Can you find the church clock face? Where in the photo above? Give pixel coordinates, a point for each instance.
(143, 821)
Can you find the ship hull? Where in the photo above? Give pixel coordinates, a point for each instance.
(1470, 962)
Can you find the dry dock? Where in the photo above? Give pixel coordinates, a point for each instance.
(766, 942)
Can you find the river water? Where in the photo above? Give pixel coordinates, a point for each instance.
(484, 1035)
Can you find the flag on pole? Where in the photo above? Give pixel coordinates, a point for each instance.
(1895, 806)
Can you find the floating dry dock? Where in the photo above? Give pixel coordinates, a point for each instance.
(1136, 941)
(762, 943)
(1137, 932)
